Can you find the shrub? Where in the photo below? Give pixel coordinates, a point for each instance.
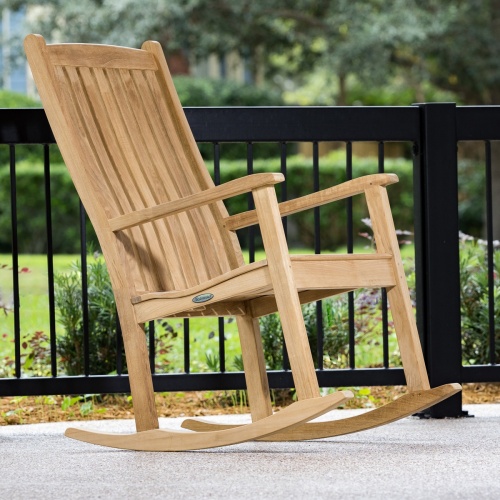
(9, 99)
(367, 323)
(335, 311)
(272, 340)
(474, 303)
(474, 310)
(31, 200)
(102, 320)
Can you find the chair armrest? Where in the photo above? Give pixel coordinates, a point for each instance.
(335, 193)
(217, 193)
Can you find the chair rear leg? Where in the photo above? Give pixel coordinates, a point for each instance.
(255, 367)
(399, 296)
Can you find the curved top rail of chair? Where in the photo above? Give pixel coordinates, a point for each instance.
(98, 56)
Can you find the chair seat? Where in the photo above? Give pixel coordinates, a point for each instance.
(316, 277)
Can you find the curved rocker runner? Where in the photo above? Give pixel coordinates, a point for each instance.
(165, 440)
(171, 247)
(404, 406)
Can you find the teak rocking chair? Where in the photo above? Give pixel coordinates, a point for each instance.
(171, 249)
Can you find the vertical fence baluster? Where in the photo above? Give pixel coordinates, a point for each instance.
(251, 206)
(216, 163)
(317, 220)
(152, 346)
(85, 295)
(284, 197)
(119, 347)
(222, 338)
(283, 185)
(350, 249)
(383, 291)
(187, 353)
(15, 262)
(50, 260)
(317, 251)
(222, 350)
(490, 254)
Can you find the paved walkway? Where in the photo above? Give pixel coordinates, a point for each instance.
(411, 458)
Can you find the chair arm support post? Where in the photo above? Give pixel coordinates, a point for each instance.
(206, 197)
(334, 193)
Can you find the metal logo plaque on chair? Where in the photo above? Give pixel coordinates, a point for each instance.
(204, 297)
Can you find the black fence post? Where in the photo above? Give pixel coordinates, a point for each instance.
(437, 250)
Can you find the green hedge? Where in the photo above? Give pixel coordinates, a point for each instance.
(31, 227)
(31, 201)
(208, 92)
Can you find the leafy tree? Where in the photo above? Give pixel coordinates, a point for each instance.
(455, 44)
(342, 45)
(464, 57)
(348, 37)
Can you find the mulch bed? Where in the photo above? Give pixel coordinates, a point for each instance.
(29, 410)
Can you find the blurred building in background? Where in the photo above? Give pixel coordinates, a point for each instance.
(13, 76)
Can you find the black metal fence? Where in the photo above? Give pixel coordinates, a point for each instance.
(431, 130)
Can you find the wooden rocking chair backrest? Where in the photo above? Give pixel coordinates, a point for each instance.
(124, 137)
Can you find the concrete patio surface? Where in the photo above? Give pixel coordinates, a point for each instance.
(411, 458)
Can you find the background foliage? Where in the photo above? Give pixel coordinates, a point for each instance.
(65, 205)
(452, 45)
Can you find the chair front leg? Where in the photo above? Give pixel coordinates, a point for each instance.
(287, 298)
(399, 296)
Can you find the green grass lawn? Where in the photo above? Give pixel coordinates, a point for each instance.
(34, 316)
(204, 332)
(33, 292)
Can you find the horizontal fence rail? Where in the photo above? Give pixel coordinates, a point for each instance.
(431, 131)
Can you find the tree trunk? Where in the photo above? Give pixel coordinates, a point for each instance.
(342, 98)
